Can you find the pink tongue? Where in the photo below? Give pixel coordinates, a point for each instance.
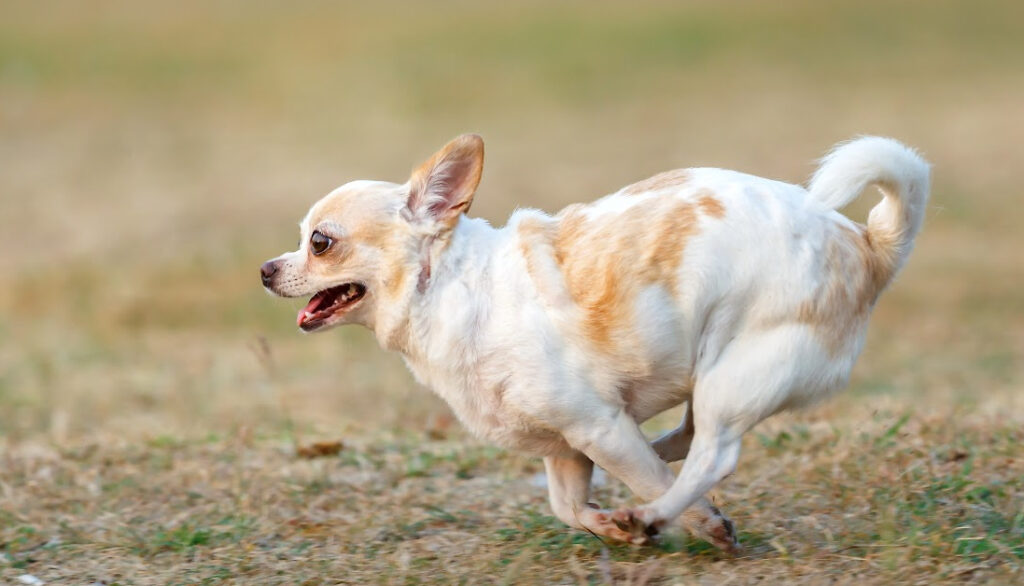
(310, 307)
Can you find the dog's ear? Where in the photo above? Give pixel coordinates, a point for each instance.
(442, 188)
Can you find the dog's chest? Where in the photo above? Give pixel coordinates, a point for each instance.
(481, 407)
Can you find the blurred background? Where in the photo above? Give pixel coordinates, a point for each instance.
(153, 154)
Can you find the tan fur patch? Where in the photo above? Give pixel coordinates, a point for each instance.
(664, 180)
(855, 275)
(710, 205)
(607, 260)
(349, 210)
(535, 240)
(396, 277)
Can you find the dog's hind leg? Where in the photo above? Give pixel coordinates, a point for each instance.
(616, 443)
(674, 445)
(751, 380)
(703, 519)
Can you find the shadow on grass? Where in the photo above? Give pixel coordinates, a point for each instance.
(545, 534)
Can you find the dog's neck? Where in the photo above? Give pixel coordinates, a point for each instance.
(451, 272)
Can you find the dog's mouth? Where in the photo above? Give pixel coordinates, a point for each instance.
(328, 303)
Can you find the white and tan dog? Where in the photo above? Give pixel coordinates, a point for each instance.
(558, 335)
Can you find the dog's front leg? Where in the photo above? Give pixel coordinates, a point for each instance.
(569, 492)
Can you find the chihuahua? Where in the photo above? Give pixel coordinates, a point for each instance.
(557, 335)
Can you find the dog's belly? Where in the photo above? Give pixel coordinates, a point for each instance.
(510, 428)
(645, 398)
(535, 441)
(484, 410)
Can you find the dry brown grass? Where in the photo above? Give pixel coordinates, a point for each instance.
(152, 397)
(875, 497)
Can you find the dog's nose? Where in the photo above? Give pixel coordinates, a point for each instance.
(267, 272)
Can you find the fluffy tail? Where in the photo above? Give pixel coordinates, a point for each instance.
(898, 172)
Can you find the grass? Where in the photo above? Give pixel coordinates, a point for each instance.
(152, 397)
(897, 497)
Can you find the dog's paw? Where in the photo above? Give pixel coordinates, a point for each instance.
(716, 529)
(615, 525)
(630, 522)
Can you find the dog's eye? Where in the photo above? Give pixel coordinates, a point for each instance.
(319, 243)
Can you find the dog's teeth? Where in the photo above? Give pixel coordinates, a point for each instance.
(351, 290)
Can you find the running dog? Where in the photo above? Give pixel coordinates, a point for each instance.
(557, 335)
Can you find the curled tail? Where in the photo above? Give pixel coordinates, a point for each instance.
(898, 172)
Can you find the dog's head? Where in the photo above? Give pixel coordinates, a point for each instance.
(364, 247)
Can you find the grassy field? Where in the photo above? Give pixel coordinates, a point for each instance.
(154, 400)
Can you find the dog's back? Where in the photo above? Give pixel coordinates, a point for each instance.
(655, 280)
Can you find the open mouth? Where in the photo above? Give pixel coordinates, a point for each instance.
(327, 303)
